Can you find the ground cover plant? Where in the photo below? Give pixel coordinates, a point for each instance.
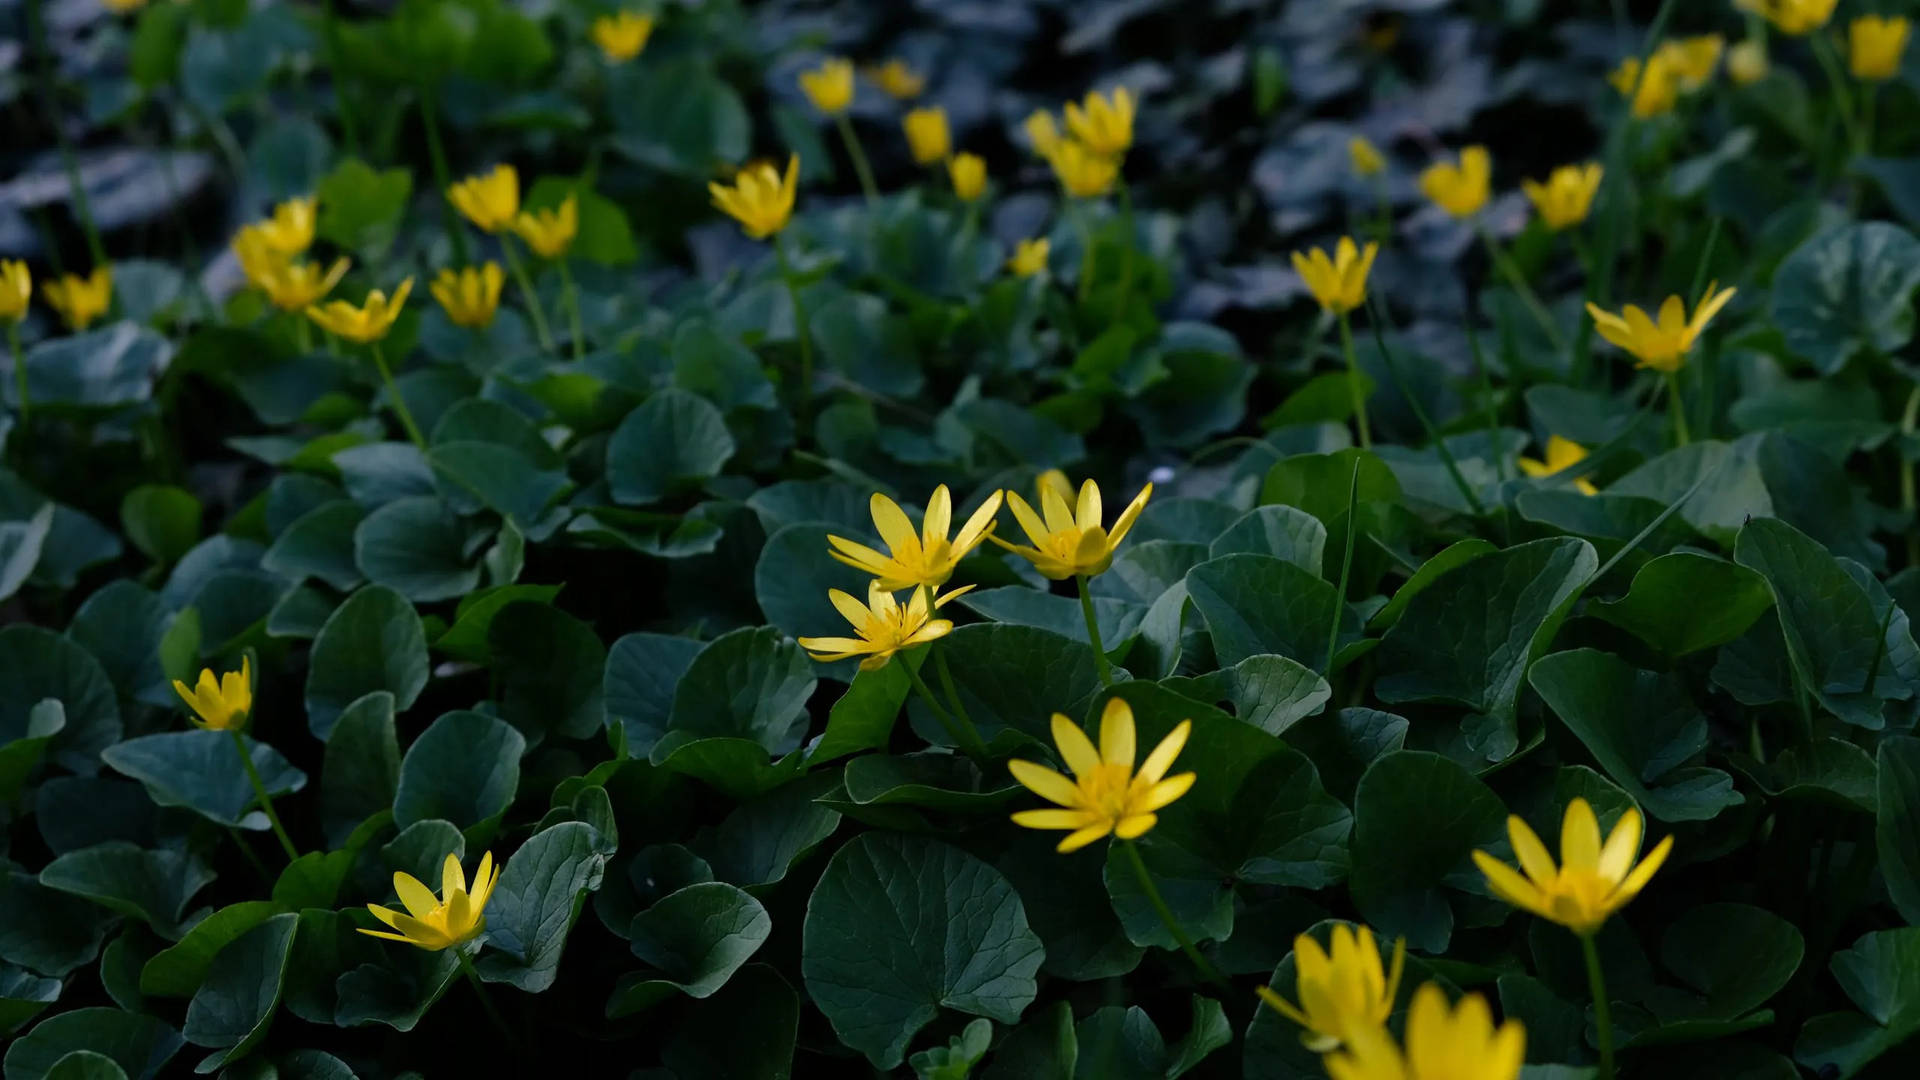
(1012, 539)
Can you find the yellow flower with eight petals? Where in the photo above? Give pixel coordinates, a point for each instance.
(1460, 187)
(470, 295)
(1342, 995)
(16, 290)
(549, 232)
(759, 198)
(490, 200)
(80, 300)
(829, 86)
(1794, 17)
(1442, 1044)
(897, 80)
(1085, 174)
(1655, 93)
(924, 558)
(221, 704)
(1030, 257)
(433, 923)
(1106, 795)
(1103, 124)
(1875, 45)
(621, 36)
(364, 324)
(1366, 157)
(1562, 453)
(884, 626)
(1339, 283)
(1069, 541)
(1567, 197)
(969, 175)
(1663, 345)
(927, 134)
(1592, 881)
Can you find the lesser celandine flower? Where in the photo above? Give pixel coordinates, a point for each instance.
(1562, 453)
(549, 232)
(1070, 541)
(122, 7)
(1043, 132)
(16, 289)
(366, 323)
(1055, 479)
(884, 626)
(1662, 345)
(80, 300)
(1747, 62)
(220, 703)
(1105, 795)
(1366, 157)
(969, 175)
(1566, 198)
(1030, 257)
(1103, 124)
(1085, 174)
(897, 80)
(928, 136)
(470, 295)
(830, 86)
(1693, 59)
(760, 199)
(1654, 93)
(296, 285)
(1795, 17)
(925, 557)
(622, 36)
(1875, 45)
(1342, 995)
(1458, 1043)
(290, 230)
(433, 923)
(1460, 187)
(490, 200)
(1593, 879)
(1339, 283)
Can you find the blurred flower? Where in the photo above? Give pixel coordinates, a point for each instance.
(969, 175)
(1561, 453)
(897, 80)
(16, 288)
(471, 295)
(1339, 283)
(927, 134)
(760, 199)
(294, 285)
(1593, 880)
(829, 86)
(884, 626)
(1366, 157)
(1875, 46)
(122, 7)
(1653, 95)
(1460, 188)
(923, 558)
(1747, 61)
(549, 232)
(364, 324)
(1795, 17)
(1070, 541)
(453, 918)
(290, 230)
(1055, 479)
(1106, 795)
(622, 36)
(80, 300)
(1567, 196)
(1692, 59)
(1103, 124)
(1085, 174)
(1043, 133)
(1030, 257)
(1662, 346)
(490, 200)
(221, 704)
(1460, 1043)
(1343, 995)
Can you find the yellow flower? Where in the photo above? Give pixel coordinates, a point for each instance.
(760, 199)
(292, 286)
(829, 86)
(1875, 46)
(1747, 61)
(1662, 346)
(622, 36)
(1561, 453)
(80, 300)
(969, 175)
(453, 918)
(16, 288)
(1069, 541)
(1442, 1044)
(549, 232)
(122, 7)
(366, 323)
(927, 134)
(1653, 95)
(1795, 17)
(471, 295)
(290, 230)
(1043, 133)
(923, 558)
(884, 626)
(1085, 174)
(490, 200)
(1366, 157)
(221, 704)
(1692, 59)
(1103, 124)
(1339, 283)
(1461, 188)
(1567, 196)
(1341, 996)
(1106, 795)
(1055, 479)
(1593, 880)
(1030, 257)
(897, 80)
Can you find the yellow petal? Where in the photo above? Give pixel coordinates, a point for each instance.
(1166, 791)
(1117, 733)
(1532, 854)
(1508, 885)
(1134, 825)
(1075, 748)
(1644, 872)
(419, 900)
(1129, 516)
(895, 528)
(1054, 819)
(1045, 783)
(1616, 855)
(1579, 837)
(1078, 840)
(1161, 759)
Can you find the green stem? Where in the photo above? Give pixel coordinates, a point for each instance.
(1126, 253)
(486, 999)
(861, 167)
(399, 401)
(1346, 574)
(1678, 408)
(963, 738)
(442, 179)
(1145, 877)
(534, 310)
(800, 328)
(572, 297)
(1093, 632)
(266, 800)
(1842, 97)
(1353, 381)
(1084, 287)
(26, 401)
(1528, 298)
(1602, 1011)
(972, 741)
(349, 130)
(302, 333)
(1908, 501)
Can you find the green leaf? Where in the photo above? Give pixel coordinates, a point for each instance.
(760, 840)
(178, 971)
(86, 1065)
(320, 544)
(900, 927)
(1318, 483)
(19, 757)
(750, 684)
(123, 626)
(678, 116)
(642, 673)
(23, 995)
(1847, 290)
(360, 772)
(360, 208)
(464, 768)
(697, 938)
(1258, 604)
(162, 521)
(864, 716)
(94, 371)
(153, 886)
(140, 1045)
(955, 1061)
(372, 642)
(1272, 693)
(536, 902)
(476, 474)
(1881, 975)
(1684, 602)
(673, 443)
(21, 543)
(549, 666)
(1404, 853)
(45, 930)
(422, 848)
(1012, 678)
(37, 665)
(202, 771)
(1281, 531)
(417, 547)
(744, 1032)
(235, 1005)
(1897, 827)
(466, 639)
(1733, 957)
(1067, 905)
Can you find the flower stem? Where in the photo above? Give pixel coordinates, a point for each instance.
(1126, 253)
(1528, 298)
(266, 800)
(971, 735)
(1678, 408)
(1084, 287)
(399, 401)
(800, 329)
(1353, 381)
(26, 401)
(302, 333)
(441, 178)
(966, 738)
(1093, 633)
(860, 166)
(1602, 1012)
(572, 296)
(1145, 877)
(534, 310)
(486, 999)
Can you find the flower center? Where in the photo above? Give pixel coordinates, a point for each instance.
(1107, 788)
